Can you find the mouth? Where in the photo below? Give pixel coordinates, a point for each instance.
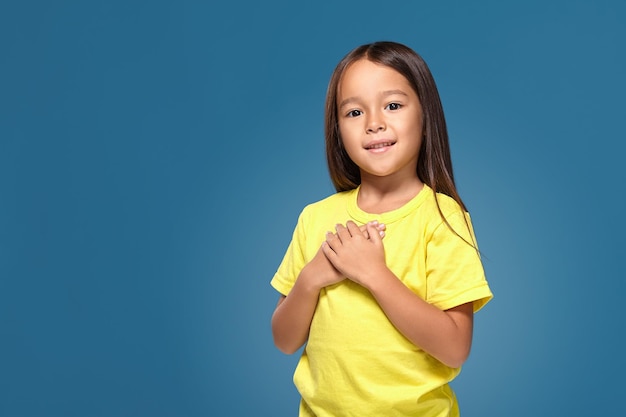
(379, 145)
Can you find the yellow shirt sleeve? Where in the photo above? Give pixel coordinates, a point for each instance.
(293, 261)
(454, 271)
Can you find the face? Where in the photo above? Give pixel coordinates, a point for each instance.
(380, 121)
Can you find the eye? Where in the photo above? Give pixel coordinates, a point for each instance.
(354, 113)
(394, 106)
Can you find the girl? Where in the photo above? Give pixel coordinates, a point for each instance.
(386, 325)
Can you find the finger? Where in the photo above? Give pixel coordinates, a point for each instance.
(353, 229)
(375, 234)
(329, 252)
(332, 241)
(342, 232)
(382, 228)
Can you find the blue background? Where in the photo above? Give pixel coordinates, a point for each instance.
(154, 157)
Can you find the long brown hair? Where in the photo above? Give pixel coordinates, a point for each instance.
(434, 165)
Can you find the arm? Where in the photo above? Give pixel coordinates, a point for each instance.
(292, 318)
(446, 335)
(293, 314)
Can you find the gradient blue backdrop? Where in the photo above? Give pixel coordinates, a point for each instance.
(154, 157)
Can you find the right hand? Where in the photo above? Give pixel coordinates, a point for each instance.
(320, 273)
(381, 227)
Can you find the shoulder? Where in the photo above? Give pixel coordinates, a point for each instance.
(436, 202)
(335, 200)
(325, 212)
(443, 216)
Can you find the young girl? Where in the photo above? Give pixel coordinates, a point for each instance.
(381, 280)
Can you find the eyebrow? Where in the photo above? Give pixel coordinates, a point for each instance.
(384, 94)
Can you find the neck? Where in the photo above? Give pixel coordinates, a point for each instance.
(382, 194)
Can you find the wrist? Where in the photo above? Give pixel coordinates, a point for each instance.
(378, 280)
(307, 281)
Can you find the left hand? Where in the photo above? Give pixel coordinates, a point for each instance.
(359, 255)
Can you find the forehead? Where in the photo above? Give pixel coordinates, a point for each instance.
(364, 77)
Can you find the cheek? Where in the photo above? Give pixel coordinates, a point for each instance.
(343, 129)
(415, 129)
(351, 148)
(347, 136)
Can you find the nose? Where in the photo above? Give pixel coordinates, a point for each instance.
(375, 123)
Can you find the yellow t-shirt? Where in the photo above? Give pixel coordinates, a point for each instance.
(355, 362)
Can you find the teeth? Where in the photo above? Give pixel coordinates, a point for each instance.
(380, 145)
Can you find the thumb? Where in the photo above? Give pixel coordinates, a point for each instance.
(375, 235)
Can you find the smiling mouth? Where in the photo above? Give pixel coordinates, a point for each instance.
(380, 145)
